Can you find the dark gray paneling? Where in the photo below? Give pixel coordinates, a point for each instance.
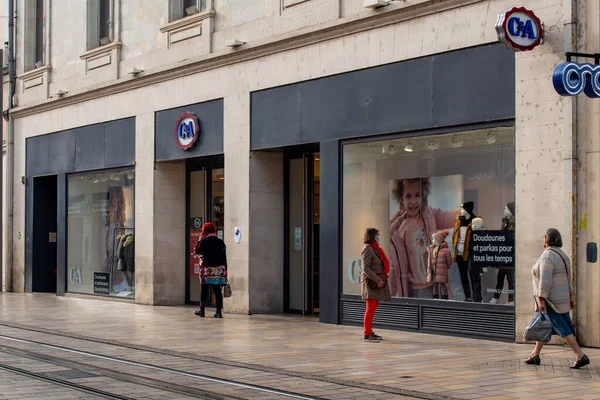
(209, 143)
(280, 108)
(474, 83)
(119, 143)
(86, 148)
(461, 87)
(381, 99)
(329, 274)
(61, 237)
(90, 148)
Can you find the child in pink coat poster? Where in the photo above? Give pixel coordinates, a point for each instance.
(410, 235)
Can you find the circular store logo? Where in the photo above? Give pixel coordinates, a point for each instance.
(520, 29)
(187, 131)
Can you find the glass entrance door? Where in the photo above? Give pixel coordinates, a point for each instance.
(303, 219)
(206, 203)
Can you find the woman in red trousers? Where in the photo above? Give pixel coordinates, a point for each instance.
(374, 280)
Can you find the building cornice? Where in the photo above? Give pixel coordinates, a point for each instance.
(392, 14)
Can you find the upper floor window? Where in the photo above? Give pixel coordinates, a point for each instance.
(99, 22)
(182, 8)
(34, 34)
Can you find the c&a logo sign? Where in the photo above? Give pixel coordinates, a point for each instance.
(187, 131)
(570, 79)
(520, 29)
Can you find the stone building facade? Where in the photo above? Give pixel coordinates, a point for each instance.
(114, 78)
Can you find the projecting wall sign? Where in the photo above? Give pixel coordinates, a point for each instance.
(520, 29)
(570, 79)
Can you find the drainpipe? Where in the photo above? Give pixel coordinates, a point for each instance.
(8, 220)
(570, 148)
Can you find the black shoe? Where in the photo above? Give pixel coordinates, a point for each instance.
(533, 360)
(372, 338)
(218, 314)
(582, 362)
(200, 313)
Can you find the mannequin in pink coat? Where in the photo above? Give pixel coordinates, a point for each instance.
(439, 262)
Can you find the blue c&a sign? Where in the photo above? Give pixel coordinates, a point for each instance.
(570, 79)
(187, 130)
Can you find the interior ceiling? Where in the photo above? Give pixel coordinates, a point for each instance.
(474, 138)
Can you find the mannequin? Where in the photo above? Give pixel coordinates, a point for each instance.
(439, 262)
(461, 239)
(476, 272)
(508, 224)
(126, 256)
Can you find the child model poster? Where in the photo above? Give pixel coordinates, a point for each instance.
(419, 207)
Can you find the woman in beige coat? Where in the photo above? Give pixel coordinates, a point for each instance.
(553, 293)
(374, 280)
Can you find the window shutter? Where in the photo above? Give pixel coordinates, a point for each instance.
(93, 24)
(175, 10)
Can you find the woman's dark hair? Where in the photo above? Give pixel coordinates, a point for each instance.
(398, 190)
(553, 238)
(370, 235)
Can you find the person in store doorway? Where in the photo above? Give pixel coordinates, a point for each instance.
(213, 268)
(553, 292)
(374, 280)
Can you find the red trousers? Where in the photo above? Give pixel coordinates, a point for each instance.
(369, 314)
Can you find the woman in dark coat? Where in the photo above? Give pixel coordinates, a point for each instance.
(213, 267)
(374, 280)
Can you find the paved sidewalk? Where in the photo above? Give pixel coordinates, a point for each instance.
(412, 362)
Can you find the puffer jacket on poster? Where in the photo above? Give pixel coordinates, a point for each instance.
(410, 238)
(439, 262)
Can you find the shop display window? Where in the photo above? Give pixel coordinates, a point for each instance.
(100, 234)
(445, 209)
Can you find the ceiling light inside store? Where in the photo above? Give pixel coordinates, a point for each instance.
(392, 150)
(433, 145)
(491, 138)
(130, 175)
(408, 148)
(456, 143)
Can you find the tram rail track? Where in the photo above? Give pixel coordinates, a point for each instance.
(105, 372)
(136, 379)
(229, 363)
(62, 382)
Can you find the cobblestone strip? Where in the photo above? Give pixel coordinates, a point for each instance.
(236, 364)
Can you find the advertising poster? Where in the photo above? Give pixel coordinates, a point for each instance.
(420, 207)
(194, 236)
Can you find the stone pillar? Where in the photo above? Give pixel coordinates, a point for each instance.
(236, 140)
(540, 166)
(169, 234)
(144, 208)
(588, 128)
(266, 232)
(159, 223)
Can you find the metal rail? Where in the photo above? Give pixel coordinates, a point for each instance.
(63, 383)
(262, 389)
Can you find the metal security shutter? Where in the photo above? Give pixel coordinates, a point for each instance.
(468, 322)
(459, 318)
(393, 315)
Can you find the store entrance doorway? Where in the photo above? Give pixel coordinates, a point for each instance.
(302, 196)
(45, 222)
(205, 203)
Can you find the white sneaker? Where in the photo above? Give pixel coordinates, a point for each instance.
(494, 301)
